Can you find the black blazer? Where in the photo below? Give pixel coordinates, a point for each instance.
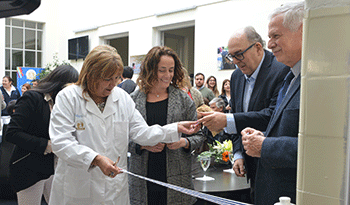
(262, 102)
(14, 96)
(29, 131)
(277, 168)
(128, 85)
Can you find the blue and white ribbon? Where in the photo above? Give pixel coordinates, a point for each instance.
(207, 197)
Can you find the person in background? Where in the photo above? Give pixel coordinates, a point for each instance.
(194, 94)
(127, 84)
(32, 161)
(35, 82)
(9, 91)
(2, 106)
(216, 105)
(207, 94)
(90, 128)
(25, 87)
(226, 95)
(212, 85)
(160, 101)
(11, 107)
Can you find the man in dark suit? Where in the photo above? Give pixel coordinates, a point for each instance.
(276, 150)
(254, 90)
(127, 84)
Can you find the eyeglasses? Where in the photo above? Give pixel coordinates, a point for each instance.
(238, 56)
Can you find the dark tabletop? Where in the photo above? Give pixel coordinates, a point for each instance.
(224, 181)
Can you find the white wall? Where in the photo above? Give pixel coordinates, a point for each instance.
(214, 21)
(323, 149)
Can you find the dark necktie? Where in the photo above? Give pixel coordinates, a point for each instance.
(284, 88)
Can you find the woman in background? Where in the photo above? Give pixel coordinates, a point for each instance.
(160, 101)
(9, 92)
(212, 85)
(194, 93)
(25, 87)
(32, 161)
(226, 95)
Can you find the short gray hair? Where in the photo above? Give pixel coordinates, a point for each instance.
(219, 103)
(253, 36)
(293, 15)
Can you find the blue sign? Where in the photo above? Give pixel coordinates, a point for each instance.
(26, 75)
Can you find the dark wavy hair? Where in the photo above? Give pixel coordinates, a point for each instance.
(56, 80)
(149, 68)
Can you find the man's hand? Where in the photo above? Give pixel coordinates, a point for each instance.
(188, 127)
(214, 121)
(238, 167)
(156, 148)
(252, 141)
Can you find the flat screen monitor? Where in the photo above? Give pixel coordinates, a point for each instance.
(78, 47)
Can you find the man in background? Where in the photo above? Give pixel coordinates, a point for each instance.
(127, 84)
(207, 94)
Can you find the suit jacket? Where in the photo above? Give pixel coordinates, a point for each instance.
(14, 96)
(262, 101)
(180, 108)
(277, 167)
(29, 131)
(128, 85)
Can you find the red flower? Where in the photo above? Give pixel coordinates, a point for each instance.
(225, 156)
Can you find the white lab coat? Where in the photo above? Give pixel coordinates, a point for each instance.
(79, 132)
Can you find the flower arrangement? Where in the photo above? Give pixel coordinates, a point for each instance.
(220, 151)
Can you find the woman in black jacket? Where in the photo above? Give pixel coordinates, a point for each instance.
(32, 162)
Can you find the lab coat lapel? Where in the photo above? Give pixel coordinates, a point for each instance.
(111, 106)
(92, 107)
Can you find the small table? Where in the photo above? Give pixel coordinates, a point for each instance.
(226, 185)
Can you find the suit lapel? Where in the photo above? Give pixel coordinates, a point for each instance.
(239, 99)
(277, 113)
(264, 71)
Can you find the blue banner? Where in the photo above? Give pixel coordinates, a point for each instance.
(26, 75)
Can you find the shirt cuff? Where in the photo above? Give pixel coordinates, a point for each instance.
(231, 124)
(237, 155)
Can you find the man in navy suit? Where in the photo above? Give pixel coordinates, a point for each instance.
(276, 149)
(254, 91)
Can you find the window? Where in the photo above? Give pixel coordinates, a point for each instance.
(23, 46)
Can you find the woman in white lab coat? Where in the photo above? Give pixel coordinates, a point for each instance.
(91, 125)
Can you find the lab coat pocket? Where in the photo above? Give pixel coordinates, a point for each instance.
(121, 133)
(77, 183)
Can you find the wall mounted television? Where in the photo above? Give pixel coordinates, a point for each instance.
(78, 47)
